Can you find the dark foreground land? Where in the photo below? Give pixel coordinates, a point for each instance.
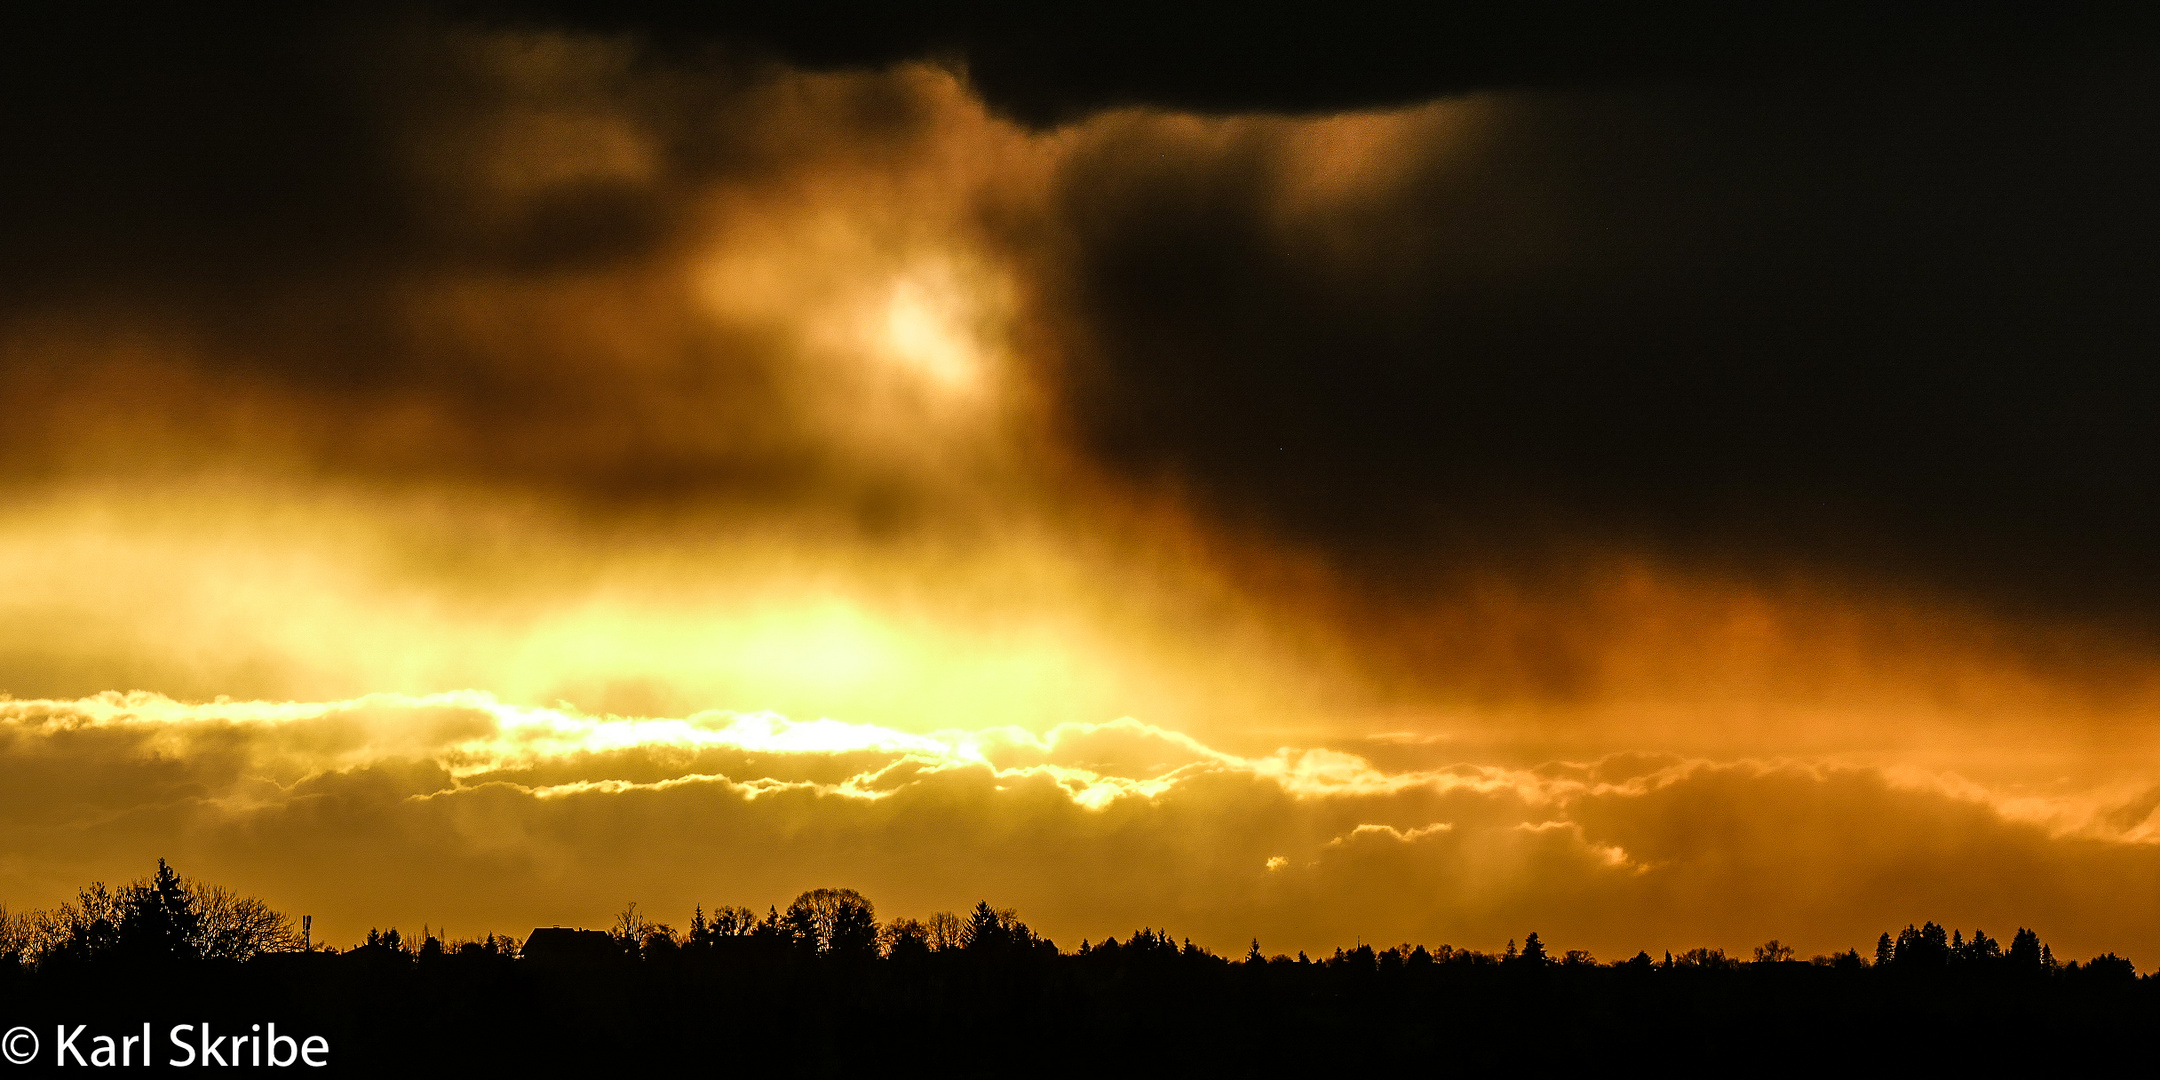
(1145, 1006)
(825, 989)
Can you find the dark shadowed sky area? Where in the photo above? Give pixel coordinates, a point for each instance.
(1830, 283)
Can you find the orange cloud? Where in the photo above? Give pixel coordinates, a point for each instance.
(314, 802)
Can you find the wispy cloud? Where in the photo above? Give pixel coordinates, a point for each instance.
(1085, 824)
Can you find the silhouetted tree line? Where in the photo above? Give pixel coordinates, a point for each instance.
(823, 986)
(158, 919)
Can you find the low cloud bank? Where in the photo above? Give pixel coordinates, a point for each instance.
(461, 809)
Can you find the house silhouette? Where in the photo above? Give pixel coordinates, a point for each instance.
(567, 945)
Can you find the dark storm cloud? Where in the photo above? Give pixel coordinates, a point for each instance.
(1900, 327)
(1833, 284)
(284, 166)
(168, 144)
(1049, 63)
(397, 245)
(206, 139)
(1842, 283)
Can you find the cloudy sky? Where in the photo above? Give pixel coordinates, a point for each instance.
(1657, 482)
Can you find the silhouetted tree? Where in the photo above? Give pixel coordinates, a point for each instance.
(491, 946)
(15, 940)
(854, 930)
(236, 927)
(629, 929)
(945, 931)
(1773, 952)
(2025, 950)
(1982, 949)
(1706, 959)
(905, 939)
(801, 929)
(984, 930)
(640, 937)
(994, 930)
(723, 924)
(1391, 960)
(2110, 968)
(159, 919)
(833, 922)
(1533, 951)
(1926, 948)
(88, 927)
(1359, 960)
(772, 929)
(388, 944)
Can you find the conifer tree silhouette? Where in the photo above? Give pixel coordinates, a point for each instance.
(1533, 950)
(160, 921)
(2025, 950)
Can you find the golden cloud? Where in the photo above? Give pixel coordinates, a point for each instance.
(394, 806)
